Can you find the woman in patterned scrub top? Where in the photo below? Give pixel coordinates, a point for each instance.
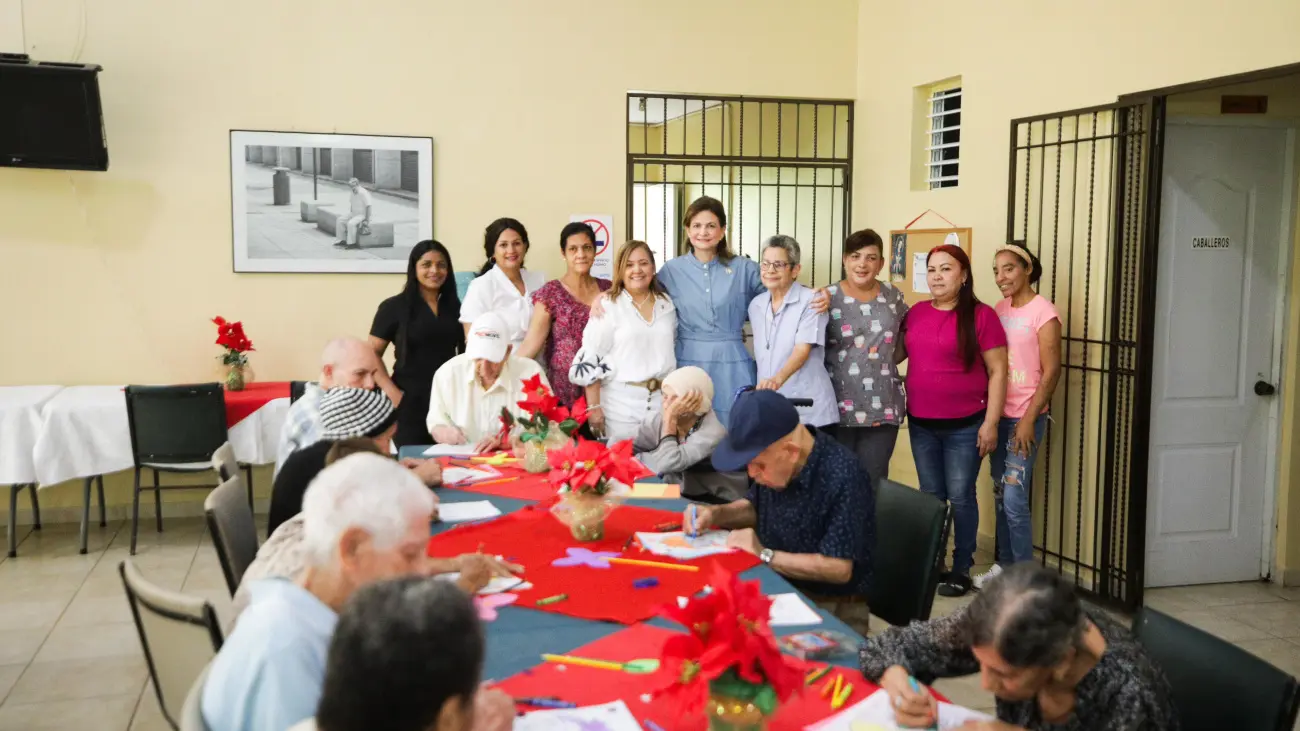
(860, 355)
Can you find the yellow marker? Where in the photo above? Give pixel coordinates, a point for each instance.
(842, 697)
(828, 687)
(584, 662)
(657, 564)
(839, 683)
(492, 482)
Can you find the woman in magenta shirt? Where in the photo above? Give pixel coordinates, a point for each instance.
(1033, 331)
(956, 383)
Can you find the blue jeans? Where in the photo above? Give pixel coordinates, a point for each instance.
(947, 465)
(1013, 477)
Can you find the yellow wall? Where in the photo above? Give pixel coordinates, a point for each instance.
(1019, 58)
(112, 277)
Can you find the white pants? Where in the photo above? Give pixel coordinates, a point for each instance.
(346, 228)
(626, 406)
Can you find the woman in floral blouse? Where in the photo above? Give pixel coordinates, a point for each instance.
(1052, 663)
(860, 337)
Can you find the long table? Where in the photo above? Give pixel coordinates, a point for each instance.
(519, 636)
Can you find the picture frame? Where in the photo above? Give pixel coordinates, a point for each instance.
(296, 208)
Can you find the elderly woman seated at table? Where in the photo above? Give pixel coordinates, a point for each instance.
(678, 440)
(1050, 661)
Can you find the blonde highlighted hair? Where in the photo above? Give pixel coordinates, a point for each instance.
(620, 266)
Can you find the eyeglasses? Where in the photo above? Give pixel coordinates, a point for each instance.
(773, 266)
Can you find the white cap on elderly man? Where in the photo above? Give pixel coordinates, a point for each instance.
(488, 338)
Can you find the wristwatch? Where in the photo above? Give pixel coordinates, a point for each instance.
(765, 555)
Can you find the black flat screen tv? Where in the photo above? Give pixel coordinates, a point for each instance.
(50, 115)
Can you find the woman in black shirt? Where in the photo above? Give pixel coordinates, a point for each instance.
(423, 324)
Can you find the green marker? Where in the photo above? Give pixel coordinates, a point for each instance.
(552, 599)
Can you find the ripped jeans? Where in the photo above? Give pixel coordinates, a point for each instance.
(1012, 479)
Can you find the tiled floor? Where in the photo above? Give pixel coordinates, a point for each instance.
(69, 656)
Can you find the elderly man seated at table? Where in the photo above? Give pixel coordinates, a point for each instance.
(345, 363)
(282, 554)
(409, 652)
(810, 514)
(365, 518)
(470, 390)
(345, 413)
(678, 440)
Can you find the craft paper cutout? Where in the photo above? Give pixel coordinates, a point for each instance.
(585, 557)
(488, 605)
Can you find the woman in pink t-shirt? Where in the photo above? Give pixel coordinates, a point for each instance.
(956, 383)
(1034, 355)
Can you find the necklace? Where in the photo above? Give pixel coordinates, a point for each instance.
(641, 304)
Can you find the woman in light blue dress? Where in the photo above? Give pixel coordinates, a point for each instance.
(711, 288)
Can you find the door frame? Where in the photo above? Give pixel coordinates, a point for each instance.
(1277, 359)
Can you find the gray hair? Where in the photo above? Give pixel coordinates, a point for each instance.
(781, 241)
(368, 491)
(1030, 615)
(338, 349)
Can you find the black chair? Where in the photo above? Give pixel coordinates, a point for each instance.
(1216, 685)
(911, 532)
(85, 508)
(233, 529)
(297, 389)
(13, 515)
(173, 429)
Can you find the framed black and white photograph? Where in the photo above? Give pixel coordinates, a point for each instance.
(304, 202)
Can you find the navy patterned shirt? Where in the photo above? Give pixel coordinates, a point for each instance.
(829, 508)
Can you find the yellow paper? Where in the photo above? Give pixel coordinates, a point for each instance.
(656, 490)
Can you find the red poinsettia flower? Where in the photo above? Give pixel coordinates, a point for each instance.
(577, 465)
(230, 335)
(537, 399)
(617, 463)
(686, 667)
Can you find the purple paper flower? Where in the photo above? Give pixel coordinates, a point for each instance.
(585, 557)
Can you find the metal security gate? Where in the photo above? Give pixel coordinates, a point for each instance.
(778, 166)
(363, 165)
(1084, 192)
(410, 171)
(324, 159)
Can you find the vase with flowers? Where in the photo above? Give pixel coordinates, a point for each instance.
(591, 479)
(728, 665)
(546, 425)
(235, 371)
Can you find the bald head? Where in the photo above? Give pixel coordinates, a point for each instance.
(349, 363)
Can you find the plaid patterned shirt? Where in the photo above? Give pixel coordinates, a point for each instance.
(302, 426)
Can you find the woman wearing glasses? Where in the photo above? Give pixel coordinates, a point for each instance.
(789, 334)
(861, 354)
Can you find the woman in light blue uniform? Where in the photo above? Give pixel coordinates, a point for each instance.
(711, 288)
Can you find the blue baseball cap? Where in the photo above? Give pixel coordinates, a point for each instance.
(759, 419)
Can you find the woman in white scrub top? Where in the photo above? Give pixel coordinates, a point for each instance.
(503, 285)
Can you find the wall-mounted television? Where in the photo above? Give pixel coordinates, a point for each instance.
(50, 115)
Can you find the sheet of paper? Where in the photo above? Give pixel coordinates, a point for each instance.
(462, 475)
(919, 283)
(497, 585)
(875, 714)
(608, 717)
(652, 490)
(678, 545)
(460, 512)
(790, 609)
(450, 450)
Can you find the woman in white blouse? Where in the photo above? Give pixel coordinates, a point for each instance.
(626, 354)
(503, 285)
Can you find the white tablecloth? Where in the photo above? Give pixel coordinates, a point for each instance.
(84, 432)
(20, 420)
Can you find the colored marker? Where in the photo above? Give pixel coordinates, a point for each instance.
(645, 583)
(690, 529)
(545, 703)
(552, 599)
(816, 675)
(651, 725)
(916, 688)
(842, 697)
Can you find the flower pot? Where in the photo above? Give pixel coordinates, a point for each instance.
(534, 457)
(235, 377)
(733, 714)
(584, 513)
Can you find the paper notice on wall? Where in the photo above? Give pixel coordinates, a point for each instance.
(919, 283)
(603, 225)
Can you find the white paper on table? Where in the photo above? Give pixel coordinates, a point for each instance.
(450, 450)
(919, 283)
(678, 545)
(462, 475)
(875, 714)
(790, 609)
(497, 585)
(607, 717)
(473, 510)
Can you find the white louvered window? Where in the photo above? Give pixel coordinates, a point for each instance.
(945, 138)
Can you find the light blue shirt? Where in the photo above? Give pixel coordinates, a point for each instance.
(775, 336)
(269, 673)
(302, 427)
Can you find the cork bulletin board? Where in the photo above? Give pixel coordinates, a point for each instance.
(907, 252)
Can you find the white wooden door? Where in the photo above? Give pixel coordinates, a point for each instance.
(1221, 224)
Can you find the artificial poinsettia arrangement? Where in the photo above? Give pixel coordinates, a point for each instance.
(587, 467)
(230, 335)
(728, 650)
(544, 413)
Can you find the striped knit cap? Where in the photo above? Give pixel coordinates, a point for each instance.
(354, 412)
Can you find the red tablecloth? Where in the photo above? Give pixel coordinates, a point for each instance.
(533, 537)
(239, 404)
(522, 484)
(589, 686)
